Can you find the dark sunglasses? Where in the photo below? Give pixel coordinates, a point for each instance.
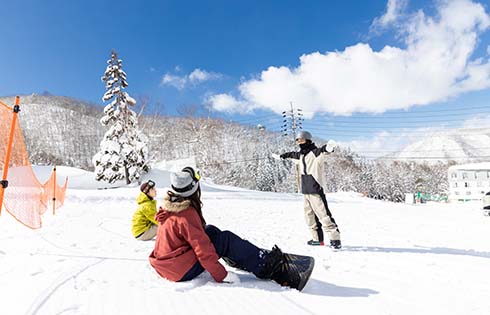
(151, 184)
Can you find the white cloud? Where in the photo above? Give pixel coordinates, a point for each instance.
(434, 65)
(174, 80)
(227, 103)
(199, 75)
(196, 77)
(394, 10)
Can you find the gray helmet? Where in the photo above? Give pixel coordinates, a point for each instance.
(302, 134)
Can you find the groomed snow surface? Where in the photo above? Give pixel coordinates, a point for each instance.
(396, 258)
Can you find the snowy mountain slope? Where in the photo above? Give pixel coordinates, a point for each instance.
(59, 130)
(397, 259)
(460, 145)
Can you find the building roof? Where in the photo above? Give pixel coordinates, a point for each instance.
(471, 167)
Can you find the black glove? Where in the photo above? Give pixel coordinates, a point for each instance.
(283, 156)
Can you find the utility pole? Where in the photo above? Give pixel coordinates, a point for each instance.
(292, 120)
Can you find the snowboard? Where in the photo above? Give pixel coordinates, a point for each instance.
(295, 271)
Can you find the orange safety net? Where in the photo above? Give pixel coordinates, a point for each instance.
(25, 197)
(52, 193)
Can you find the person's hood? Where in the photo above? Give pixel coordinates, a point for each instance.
(142, 198)
(171, 205)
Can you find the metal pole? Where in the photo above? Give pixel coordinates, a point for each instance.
(4, 182)
(296, 166)
(54, 189)
(293, 123)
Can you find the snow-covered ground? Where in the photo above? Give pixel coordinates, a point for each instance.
(396, 259)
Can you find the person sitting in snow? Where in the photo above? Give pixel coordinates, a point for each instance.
(317, 215)
(185, 245)
(144, 225)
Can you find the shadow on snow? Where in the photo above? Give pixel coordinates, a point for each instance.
(418, 250)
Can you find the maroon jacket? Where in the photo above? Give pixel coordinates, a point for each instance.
(181, 242)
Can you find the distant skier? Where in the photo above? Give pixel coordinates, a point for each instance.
(144, 225)
(311, 160)
(486, 203)
(185, 246)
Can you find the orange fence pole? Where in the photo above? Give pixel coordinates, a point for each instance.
(54, 189)
(4, 182)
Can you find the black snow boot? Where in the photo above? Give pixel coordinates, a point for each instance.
(335, 244)
(272, 262)
(287, 269)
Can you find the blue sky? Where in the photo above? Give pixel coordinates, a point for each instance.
(63, 47)
(218, 54)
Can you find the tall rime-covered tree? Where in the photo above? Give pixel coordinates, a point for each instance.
(123, 150)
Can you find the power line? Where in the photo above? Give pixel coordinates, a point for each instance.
(422, 128)
(275, 122)
(236, 161)
(357, 130)
(430, 111)
(405, 121)
(395, 151)
(408, 133)
(442, 158)
(354, 122)
(401, 159)
(448, 112)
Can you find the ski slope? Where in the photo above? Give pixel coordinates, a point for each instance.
(397, 258)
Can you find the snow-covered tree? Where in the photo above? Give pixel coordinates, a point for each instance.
(123, 150)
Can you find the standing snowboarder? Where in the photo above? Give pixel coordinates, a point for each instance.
(486, 203)
(318, 217)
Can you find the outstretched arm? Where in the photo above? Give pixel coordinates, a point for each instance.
(326, 149)
(290, 155)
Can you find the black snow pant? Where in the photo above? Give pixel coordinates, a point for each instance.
(239, 252)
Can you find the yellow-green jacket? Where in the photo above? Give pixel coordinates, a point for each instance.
(144, 216)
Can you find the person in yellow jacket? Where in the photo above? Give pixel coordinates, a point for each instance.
(144, 225)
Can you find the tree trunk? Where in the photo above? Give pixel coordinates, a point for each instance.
(126, 173)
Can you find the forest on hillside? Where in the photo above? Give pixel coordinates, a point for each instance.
(64, 131)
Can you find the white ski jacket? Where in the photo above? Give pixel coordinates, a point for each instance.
(486, 201)
(311, 164)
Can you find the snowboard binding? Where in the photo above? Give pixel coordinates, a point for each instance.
(288, 270)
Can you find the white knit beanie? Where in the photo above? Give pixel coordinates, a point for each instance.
(183, 184)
